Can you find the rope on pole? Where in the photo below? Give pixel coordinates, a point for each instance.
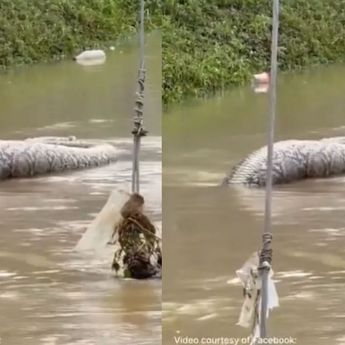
(266, 253)
(138, 129)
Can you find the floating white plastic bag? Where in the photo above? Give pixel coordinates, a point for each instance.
(91, 57)
(101, 229)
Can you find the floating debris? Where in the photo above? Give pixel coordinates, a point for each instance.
(139, 253)
(100, 231)
(91, 57)
(122, 223)
(261, 82)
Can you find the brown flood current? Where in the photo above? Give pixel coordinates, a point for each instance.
(210, 231)
(48, 293)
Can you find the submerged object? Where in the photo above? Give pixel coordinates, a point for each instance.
(91, 57)
(36, 156)
(293, 160)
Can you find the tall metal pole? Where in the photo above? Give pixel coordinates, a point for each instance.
(138, 130)
(268, 200)
(142, 33)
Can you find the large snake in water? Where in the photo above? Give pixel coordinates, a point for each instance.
(44, 155)
(292, 160)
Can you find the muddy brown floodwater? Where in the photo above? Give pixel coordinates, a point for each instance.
(210, 231)
(48, 293)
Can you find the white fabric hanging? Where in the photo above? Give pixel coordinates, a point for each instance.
(249, 276)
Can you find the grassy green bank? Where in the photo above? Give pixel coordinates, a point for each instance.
(46, 30)
(207, 44)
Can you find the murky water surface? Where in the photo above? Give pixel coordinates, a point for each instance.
(210, 231)
(49, 294)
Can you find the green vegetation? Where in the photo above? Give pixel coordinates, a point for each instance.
(207, 44)
(210, 45)
(45, 30)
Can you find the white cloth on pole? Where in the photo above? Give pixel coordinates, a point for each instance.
(251, 281)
